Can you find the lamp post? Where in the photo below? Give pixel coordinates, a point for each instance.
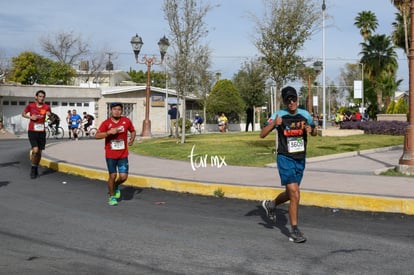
(407, 159)
(362, 88)
(324, 64)
(136, 43)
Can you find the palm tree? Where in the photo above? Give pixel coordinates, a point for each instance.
(388, 84)
(379, 57)
(367, 22)
(403, 19)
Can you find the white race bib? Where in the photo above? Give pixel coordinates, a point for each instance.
(40, 127)
(117, 144)
(295, 144)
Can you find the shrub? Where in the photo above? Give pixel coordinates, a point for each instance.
(396, 128)
(188, 124)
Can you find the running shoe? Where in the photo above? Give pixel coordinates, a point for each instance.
(33, 172)
(297, 236)
(270, 211)
(117, 193)
(112, 201)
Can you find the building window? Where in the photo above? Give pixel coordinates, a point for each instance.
(64, 104)
(55, 103)
(22, 103)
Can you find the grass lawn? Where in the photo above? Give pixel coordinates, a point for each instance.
(248, 149)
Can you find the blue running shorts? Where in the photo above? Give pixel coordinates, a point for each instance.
(117, 164)
(290, 170)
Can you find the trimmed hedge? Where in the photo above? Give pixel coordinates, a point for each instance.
(396, 128)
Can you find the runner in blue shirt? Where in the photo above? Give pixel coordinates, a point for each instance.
(293, 126)
(74, 121)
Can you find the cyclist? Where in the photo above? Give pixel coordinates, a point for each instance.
(54, 120)
(198, 120)
(89, 121)
(74, 121)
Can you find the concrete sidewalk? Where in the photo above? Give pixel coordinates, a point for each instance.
(344, 181)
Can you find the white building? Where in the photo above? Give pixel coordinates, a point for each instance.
(14, 98)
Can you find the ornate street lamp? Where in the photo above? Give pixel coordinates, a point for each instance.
(136, 43)
(407, 159)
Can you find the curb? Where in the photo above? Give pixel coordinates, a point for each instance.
(310, 198)
(349, 154)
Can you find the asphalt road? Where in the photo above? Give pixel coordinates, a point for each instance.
(61, 224)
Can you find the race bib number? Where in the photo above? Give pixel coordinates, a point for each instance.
(74, 122)
(39, 127)
(295, 144)
(117, 144)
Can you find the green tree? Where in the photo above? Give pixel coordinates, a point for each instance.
(391, 108)
(31, 68)
(186, 20)
(401, 107)
(349, 74)
(308, 76)
(224, 97)
(367, 22)
(400, 35)
(158, 79)
(379, 58)
(388, 84)
(250, 81)
(204, 77)
(281, 33)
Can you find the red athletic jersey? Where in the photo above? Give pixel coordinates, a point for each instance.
(37, 125)
(116, 146)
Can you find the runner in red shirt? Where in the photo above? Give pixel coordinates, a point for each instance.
(37, 112)
(115, 131)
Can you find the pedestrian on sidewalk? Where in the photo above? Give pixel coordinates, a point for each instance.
(36, 112)
(115, 132)
(292, 125)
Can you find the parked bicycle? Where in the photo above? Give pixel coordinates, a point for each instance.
(52, 133)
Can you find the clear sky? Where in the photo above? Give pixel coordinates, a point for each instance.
(110, 24)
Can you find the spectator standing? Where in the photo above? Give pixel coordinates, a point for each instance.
(293, 126)
(249, 118)
(173, 113)
(36, 112)
(115, 132)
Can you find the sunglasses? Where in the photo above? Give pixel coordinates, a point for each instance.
(291, 98)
